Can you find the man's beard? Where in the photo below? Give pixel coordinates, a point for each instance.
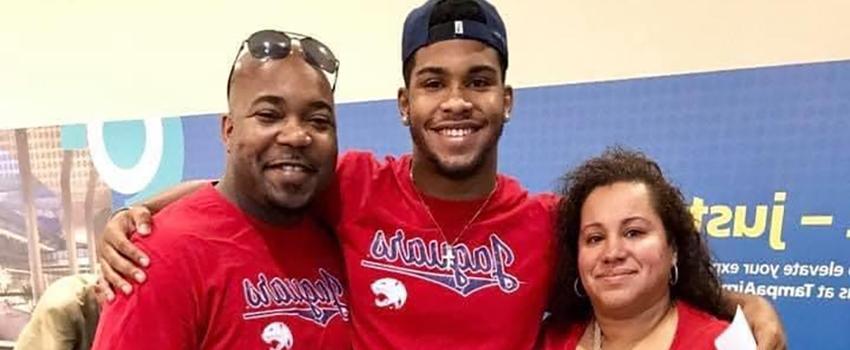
(266, 199)
(460, 172)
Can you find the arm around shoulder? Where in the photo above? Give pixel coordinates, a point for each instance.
(164, 312)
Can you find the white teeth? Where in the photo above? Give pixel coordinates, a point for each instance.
(455, 132)
(293, 168)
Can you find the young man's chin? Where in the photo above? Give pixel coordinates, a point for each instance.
(459, 167)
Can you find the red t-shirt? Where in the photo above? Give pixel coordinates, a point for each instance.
(406, 295)
(695, 330)
(221, 280)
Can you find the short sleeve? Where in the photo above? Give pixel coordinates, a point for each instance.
(165, 311)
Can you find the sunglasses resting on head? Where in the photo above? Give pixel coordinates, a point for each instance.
(276, 45)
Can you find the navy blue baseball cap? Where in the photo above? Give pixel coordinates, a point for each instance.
(439, 20)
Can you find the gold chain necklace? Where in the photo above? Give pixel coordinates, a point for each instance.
(448, 249)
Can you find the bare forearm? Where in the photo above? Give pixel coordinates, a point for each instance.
(762, 317)
(172, 194)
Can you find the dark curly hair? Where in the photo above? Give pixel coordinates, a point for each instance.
(697, 284)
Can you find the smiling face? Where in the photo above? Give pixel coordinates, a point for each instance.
(280, 133)
(455, 105)
(624, 257)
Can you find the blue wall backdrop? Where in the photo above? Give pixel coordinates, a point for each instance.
(763, 154)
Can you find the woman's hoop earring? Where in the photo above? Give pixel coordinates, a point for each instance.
(575, 289)
(674, 277)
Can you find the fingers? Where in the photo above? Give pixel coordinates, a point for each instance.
(115, 267)
(113, 280)
(120, 263)
(102, 292)
(118, 256)
(141, 219)
(127, 249)
(115, 236)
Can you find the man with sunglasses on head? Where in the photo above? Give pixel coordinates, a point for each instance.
(241, 264)
(441, 251)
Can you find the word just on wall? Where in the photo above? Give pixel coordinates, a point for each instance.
(720, 216)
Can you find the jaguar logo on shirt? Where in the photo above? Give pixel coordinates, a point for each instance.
(319, 300)
(465, 270)
(389, 293)
(278, 335)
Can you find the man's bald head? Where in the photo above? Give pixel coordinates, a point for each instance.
(246, 66)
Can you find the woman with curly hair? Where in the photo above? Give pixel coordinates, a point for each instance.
(633, 271)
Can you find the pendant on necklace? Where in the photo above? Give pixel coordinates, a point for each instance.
(449, 254)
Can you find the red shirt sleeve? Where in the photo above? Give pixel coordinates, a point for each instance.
(164, 312)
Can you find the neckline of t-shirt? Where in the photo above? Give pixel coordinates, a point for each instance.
(231, 208)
